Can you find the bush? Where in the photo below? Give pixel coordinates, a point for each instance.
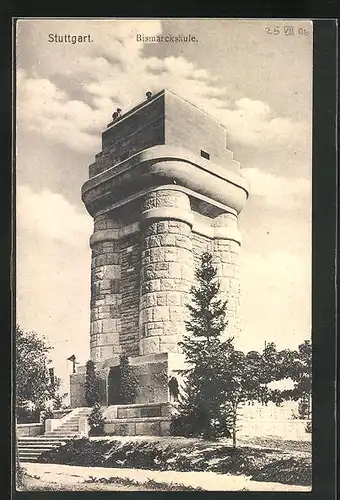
(46, 414)
(96, 421)
(81, 452)
(184, 455)
(26, 416)
(92, 390)
(308, 427)
(292, 470)
(128, 387)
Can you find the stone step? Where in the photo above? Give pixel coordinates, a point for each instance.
(63, 434)
(67, 426)
(28, 458)
(35, 439)
(38, 446)
(50, 441)
(29, 452)
(139, 420)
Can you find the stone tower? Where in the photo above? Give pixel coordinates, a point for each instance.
(164, 189)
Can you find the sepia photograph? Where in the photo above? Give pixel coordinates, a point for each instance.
(163, 337)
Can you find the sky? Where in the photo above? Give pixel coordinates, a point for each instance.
(256, 83)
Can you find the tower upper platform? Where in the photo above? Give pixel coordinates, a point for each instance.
(164, 119)
(164, 140)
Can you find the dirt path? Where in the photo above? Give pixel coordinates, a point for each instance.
(72, 478)
(73, 484)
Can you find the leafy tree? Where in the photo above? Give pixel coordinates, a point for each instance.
(33, 384)
(202, 410)
(298, 367)
(92, 384)
(58, 401)
(128, 387)
(246, 378)
(96, 420)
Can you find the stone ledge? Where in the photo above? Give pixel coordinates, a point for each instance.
(166, 164)
(169, 213)
(139, 405)
(137, 420)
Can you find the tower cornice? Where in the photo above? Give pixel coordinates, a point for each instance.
(161, 165)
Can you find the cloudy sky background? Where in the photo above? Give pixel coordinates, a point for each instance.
(258, 85)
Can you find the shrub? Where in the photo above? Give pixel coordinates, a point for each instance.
(96, 421)
(46, 414)
(128, 387)
(80, 452)
(27, 416)
(92, 390)
(184, 455)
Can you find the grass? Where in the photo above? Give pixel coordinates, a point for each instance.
(272, 464)
(149, 484)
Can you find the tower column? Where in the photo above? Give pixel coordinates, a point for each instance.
(166, 270)
(226, 249)
(105, 290)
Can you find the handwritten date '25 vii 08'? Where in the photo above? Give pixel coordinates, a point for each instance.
(287, 30)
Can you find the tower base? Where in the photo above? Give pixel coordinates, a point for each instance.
(153, 372)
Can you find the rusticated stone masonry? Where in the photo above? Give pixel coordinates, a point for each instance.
(140, 282)
(130, 271)
(163, 190)
(106, 293)
(226, 259)
(166, 271)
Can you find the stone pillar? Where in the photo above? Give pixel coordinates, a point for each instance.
(166, 270)
(105, 290)
(226, 249)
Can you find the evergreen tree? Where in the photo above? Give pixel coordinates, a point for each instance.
(128, 386)
(92, 389)
(202, 410)
(96, 421)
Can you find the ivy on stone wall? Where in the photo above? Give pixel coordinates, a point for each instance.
(92, 384)
(128, 387)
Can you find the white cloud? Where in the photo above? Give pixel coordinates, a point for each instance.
(253, 107)
(46, 110)
(114, 72)
(48, 215)
(275, 299)
(277, 191)
(53, 274)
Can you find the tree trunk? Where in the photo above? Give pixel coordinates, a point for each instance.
(18, 468)
(234, 425)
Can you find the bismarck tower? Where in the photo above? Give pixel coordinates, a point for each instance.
(164, 189)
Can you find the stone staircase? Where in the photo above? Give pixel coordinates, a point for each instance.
(120, 420)
(30, 448)
(69, 427)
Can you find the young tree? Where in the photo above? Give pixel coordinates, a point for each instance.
(128, 386)
(202, 410)
(92, 384)
(33, 384)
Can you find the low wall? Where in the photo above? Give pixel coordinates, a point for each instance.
(286, 429)
(62, 413)
(154, 426)
(29, 430)
(137, 410)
